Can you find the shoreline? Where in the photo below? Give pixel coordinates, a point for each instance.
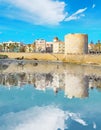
(43, 67)
(87, 59)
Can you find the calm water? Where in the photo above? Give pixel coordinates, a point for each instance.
(48, 96)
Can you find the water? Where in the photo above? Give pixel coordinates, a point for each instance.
(49, 96)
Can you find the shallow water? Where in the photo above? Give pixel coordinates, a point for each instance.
(48, 96)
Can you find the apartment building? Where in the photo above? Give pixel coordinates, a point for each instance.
(40, 45)
(58, 46)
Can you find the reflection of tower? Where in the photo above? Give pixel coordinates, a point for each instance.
(76, 86)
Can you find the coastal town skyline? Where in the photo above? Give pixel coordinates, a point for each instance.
(26, 21)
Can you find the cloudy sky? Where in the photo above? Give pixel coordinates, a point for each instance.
(27, 20)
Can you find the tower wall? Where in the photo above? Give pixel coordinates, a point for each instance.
(76, 43)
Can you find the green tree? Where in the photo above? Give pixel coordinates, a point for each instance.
(29, 47)
(0, 48)
(4, 46)
(98, 46)
(11, 47)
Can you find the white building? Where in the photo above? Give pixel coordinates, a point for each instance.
(11, 42)
(40, 45)
(58, 46)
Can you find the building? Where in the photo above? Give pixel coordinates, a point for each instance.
(11, 46)
(91, 47)
(49, 47)
(12, 43)
(40, 45)
(76, 44)
(30, 48)
(58, 46)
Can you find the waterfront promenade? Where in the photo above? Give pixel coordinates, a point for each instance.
(69, 58)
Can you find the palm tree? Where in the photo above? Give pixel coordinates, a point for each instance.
(33, 47)
(4, 46)
(0, 48)
(29, 47)
(11, 47)
(22, 48)
(98, 46)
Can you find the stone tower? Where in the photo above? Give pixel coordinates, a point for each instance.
(76, 44)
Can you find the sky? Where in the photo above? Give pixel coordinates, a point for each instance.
(28, 20)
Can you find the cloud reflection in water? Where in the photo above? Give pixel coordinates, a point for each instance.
(44, 118)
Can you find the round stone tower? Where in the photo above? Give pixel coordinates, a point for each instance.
(76, 43)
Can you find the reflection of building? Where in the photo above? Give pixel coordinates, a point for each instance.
(55, 82)
(58, 81)
(40, 81)
(58, 46)
(76, 43)
(72, 81)
(95, 82)
(76, 86)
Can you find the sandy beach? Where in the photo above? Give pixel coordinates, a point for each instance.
(68, 58)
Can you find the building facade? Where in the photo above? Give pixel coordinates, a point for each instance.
(30, 48)
(40, 45)
(49, 47)
(11, 46)
(58, 46)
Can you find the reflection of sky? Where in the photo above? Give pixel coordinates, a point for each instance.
(27, 108)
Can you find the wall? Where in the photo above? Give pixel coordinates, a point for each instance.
(76, 43)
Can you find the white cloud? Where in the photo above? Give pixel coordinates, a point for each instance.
(36, 118)
(77, 15)
(76, 117)
(94, 125)
(93, 6)
(45, 12)
(44, 118)
(36, 11)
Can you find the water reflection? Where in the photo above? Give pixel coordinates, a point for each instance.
(40, 96)
(76, 85)
(74, 80)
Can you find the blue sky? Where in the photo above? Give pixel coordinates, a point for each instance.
(27, 20)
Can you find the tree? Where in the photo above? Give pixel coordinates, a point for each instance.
(4, 46)
(29, 47)
(0, 48)
(98, 46)
(11, 47)
(22, 48)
